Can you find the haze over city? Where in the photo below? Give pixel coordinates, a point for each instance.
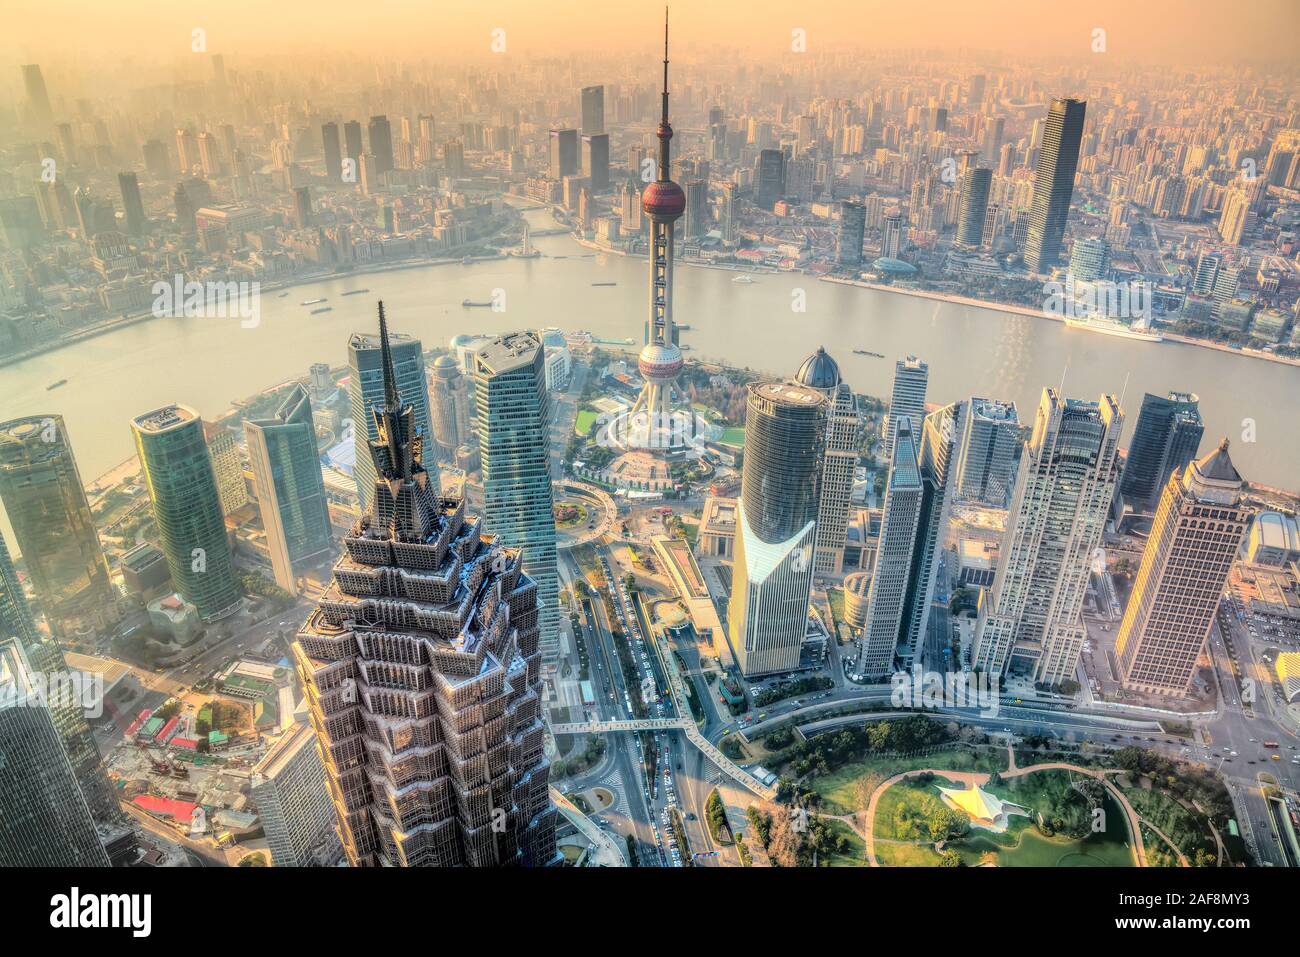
(729, 435)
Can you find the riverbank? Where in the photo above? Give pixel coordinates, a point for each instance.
(113, 325)
(1040, 314)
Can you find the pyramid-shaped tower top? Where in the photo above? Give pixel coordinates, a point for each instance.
(1217, 466)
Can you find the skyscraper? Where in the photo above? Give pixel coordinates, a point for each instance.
(595, 160)
(513, 422)
(697, 208)
(1167, 436)
(819, 371)
(973, 206)
(352, 143)
(43, 658)
(366, 392)
(593, 109)
(986, 466)
(46, 503)
(898, 612)
(848, 241)
(1030, 623)
(292, 798)
(47, 821)
(38, 100)
(911, 377)
(131, 204)
(290, 490)
(1194, 539)
(333, 148)
(422, 673)
(226, 466)
(1058, 160)
(449, 407)
(886, 601)
(780, 493)
(894, 228)
(1090, 258)
(564, 153)
(381, 143)
(187, 508)
(769, 178)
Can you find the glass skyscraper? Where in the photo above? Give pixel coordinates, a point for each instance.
(46, 819)
(46, 503)
(187, 508)
(780, 494)
(290, 490)
(1058, 161)
(1167, 436)
(513, 422)
(43, 657)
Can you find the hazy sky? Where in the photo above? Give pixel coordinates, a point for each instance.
(1189, 31)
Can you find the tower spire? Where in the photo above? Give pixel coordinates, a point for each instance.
(392, 400)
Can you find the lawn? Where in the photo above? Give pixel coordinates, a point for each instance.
(839, 790)
(857, 854)
(734, 436)
(586, 419)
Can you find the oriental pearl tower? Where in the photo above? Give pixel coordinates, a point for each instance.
(653, 423)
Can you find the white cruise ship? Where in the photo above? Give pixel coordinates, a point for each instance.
(1098, 322)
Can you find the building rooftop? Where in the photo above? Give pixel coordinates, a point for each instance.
(167, 418)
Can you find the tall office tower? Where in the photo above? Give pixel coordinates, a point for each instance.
(44, 658)
(226, 466)
(302, 213)
(187, 508)
(352, 142)
(46, 503)
(769, 178)
(986, 465)
(727, 211)
(47, 820)
(131, 204)
(886, 601)
(893, 226)
(780, 494)
(973, 206)
(593, 109)
(911, 376)
(449, 407)
(38, 100)
(717, 151)
(380, 134)
(366, 393)
(1006, 159)
(697, 208)
(1030, 624)
(852, 231)
(288, 788)
(819, 371)
(564, 153)
(422, 673)
(991, 150)
(1058, 160)
(1090, 259)
(333, 147)
(187, 151)
(290, 490)
(595, 160)
(976, 95)
(1167, 436)
(513, 432)
(1207, 271)
(1194, 539)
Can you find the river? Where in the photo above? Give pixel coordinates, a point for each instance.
(208, 363)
